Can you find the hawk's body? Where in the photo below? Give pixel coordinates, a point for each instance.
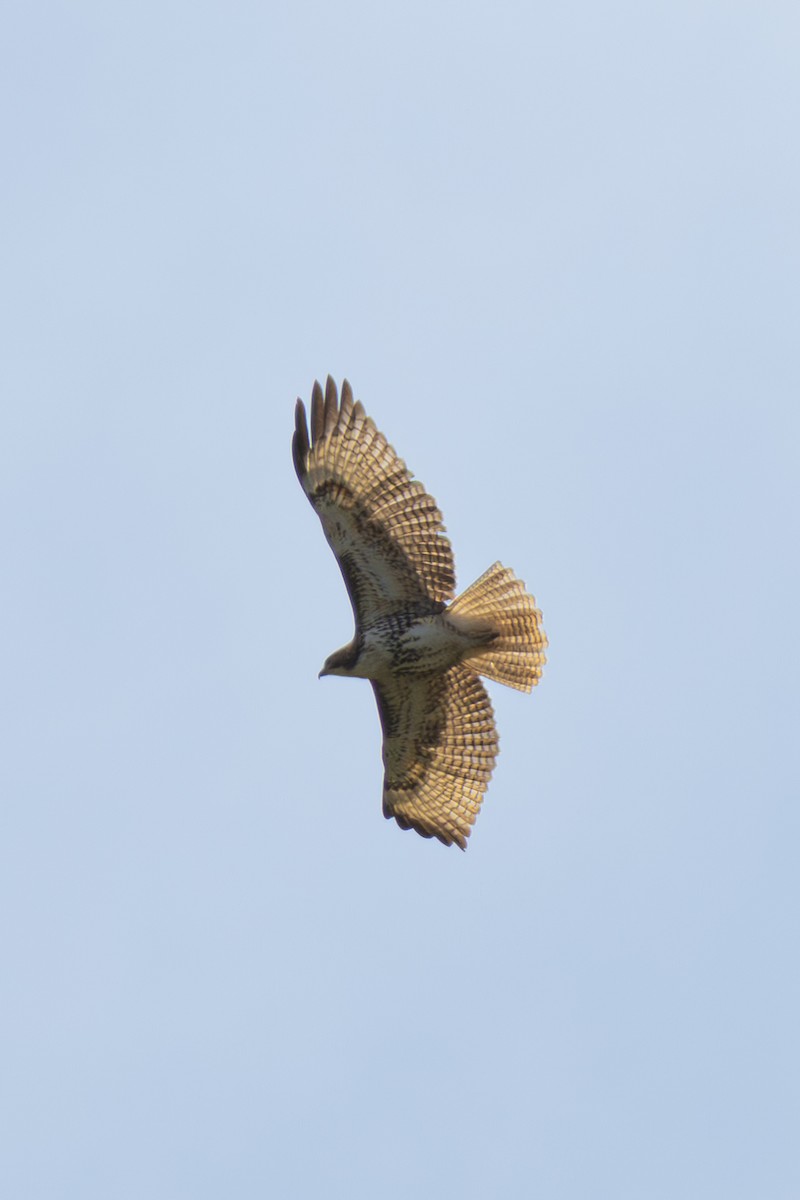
(422, 655)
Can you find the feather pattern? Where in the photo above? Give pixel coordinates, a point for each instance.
(439, 749)
(516, 656)
(385, 530)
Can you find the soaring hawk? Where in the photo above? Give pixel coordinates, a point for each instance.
(421, 649)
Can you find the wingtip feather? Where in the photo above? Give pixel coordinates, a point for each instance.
(346, 408)
(331, 406)
(317, 413)
(300, 446)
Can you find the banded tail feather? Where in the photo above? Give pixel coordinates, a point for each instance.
(516, 656)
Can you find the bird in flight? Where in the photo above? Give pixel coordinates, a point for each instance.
(421, 649)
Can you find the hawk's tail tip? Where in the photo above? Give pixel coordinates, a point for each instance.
(516, 656)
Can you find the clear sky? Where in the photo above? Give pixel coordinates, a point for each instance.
(556, 250)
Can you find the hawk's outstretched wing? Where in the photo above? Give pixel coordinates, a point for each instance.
(385, 530)
(439, 748)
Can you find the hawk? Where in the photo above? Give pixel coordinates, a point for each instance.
(421, 649)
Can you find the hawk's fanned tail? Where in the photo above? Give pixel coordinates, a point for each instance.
(516, 657)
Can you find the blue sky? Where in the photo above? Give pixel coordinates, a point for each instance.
(556, 251)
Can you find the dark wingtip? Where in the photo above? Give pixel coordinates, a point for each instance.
(331, 406)
(317, 413)
(300, 419)
(300, 445)
(324, 420)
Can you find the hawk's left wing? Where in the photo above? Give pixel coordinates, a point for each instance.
(439, 749)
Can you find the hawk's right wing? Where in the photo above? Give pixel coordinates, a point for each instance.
(384, 528)
(439, 748)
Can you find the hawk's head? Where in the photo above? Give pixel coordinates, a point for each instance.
(341, 662)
